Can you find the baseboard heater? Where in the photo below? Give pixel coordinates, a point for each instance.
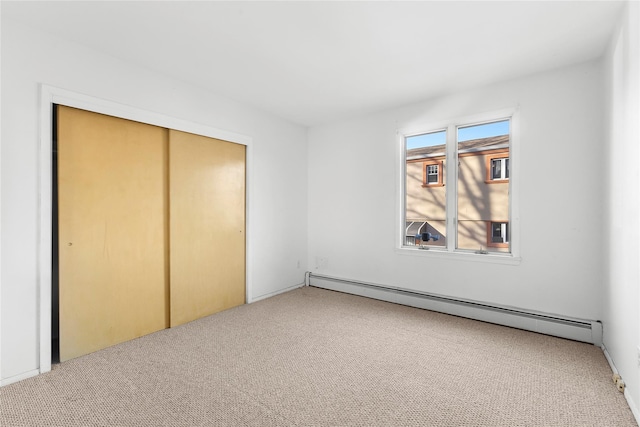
(589, 331)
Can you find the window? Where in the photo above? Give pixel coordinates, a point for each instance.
(460, 207)
(425, 196)
(498, 168)
(498, 234)
(432, 174)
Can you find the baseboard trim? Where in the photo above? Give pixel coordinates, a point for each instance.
(272, 294)
(19, 377)
(589, 331)
(627, 395)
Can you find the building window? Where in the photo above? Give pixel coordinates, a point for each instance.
(498, 168)
(468, 214)
(432, 173)
(498, 234)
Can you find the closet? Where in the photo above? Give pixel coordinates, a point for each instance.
(151, 228)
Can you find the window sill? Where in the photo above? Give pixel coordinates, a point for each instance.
(459, 255)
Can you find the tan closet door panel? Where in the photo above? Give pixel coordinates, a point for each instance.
(207, 225)
(113, 230)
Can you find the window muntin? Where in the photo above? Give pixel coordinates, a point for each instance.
(467, 208)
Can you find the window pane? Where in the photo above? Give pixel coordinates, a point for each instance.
(496, 232)
(495, 169)
(479, 203)
(425, 206)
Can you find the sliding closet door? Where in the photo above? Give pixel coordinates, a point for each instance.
(113, 230)
(207, 225)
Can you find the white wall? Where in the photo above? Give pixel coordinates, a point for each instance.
(277, 197)
(353, 202)
(621, 312)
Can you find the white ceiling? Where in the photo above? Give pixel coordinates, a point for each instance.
(316, 62)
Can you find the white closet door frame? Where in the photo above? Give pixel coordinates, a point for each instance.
(50, 95)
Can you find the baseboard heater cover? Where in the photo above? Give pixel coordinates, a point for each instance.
(589, 331)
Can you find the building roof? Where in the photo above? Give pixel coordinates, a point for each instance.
(481, 144)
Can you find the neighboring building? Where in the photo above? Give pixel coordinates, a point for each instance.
(483, 194)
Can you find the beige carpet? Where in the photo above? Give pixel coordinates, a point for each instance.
(313, 357)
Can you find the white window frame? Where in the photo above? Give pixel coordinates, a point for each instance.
(451, 181)
(503, 168)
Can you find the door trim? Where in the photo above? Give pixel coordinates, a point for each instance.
(50, 95)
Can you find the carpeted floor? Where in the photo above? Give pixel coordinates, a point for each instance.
(313, 357)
